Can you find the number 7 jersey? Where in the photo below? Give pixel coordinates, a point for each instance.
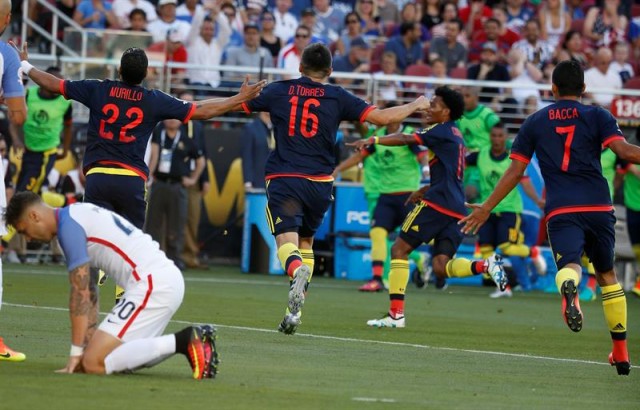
(306, 116)
(121, 119)
(568, 137)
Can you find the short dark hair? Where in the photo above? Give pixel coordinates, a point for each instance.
(316, 58)
(19, 202)
(133, 66)
(406, 27)
(500, 125)
(458, 22)
(453, 100)
(139, 12)
(493, 20)
(568, 76)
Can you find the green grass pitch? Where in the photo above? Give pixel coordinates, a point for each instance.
(460, 350)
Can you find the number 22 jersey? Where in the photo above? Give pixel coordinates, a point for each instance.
(306, 116)
(568, 137)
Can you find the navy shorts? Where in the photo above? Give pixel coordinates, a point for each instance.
(591, 232)
(34, 170)
(122, 194)
(502, 227)
(297, 205)
(391, 211)
(633, 226)
(424, 224)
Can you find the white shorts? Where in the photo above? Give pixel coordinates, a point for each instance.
(146, 307)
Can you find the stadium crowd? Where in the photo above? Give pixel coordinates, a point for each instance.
(510, 41)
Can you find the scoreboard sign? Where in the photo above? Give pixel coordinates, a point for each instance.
(626, 109)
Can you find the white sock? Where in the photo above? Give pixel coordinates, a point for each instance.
(138, 353)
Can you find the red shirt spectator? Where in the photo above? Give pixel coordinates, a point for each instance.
(480, 12)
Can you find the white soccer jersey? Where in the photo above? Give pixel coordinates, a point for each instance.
(105, 240)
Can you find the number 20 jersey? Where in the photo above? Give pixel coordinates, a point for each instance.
(568, 137)
(305, 116)
(121, 119)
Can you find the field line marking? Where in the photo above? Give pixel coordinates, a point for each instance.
(360, 341)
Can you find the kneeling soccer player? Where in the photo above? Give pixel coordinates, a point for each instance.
(130, 336)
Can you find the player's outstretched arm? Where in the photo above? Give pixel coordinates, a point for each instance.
(47, 81)
(626, 151)
(480, 212)
(397, 114)
(389, 140)
(354, 159)
(207, 109)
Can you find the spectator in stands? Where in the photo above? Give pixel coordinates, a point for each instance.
(207, 51)
(448, 12)
(438, 70)
(257, 142)
(572, 49)
(602, 75)
(187, 10)
(507, 35)
(329, 20)
(406, 46)
(289, 57)
(410, 14)
(488, 69)
(518, 14)
(119, 43)
(357, 61)
(388, 11)
(448, 48)
(574, 8)
(491, 33)
(249, 55)
(308, 19)
(604, 26)
(620, 63)
(430, 10)
(522, 72)
(235, 22)
(388, 90)
(538, 51)
(138, 21)
(123, 8)
(352, 31)
(286, 23)
(555, 22)
(177, 53)
(474, 15)
(368, 12)
(95, 14)
(252, 10)
(167, 22)
(169, 164)
(268, 38)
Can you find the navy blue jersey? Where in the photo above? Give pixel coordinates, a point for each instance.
(305, 117)
(567, 137)
(446, 162)
(121, 119)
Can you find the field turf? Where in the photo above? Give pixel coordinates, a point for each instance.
(460, 350)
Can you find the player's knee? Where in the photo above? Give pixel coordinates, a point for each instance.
(92, 365)
(400, 251)
(439, 264)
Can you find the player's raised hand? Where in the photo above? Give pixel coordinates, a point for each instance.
(359, 144)
(422, 103)
(475, 219)
(250, 91)
(23, 53)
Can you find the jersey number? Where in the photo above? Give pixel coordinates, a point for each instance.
(134, 114)
(569, 131)
(307, 130)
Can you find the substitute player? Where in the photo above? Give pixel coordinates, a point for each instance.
(12, 92)
(130, 336)
(567, 137)
(440, 206)
(306, 113)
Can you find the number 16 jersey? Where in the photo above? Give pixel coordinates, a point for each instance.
(567, 137)
(306, 116)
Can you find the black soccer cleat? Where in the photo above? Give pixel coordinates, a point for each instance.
(571, 306)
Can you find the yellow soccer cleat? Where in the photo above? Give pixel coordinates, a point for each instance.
(10, 355)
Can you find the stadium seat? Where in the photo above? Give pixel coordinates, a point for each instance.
(417, 70)
(459, 73)
(633, 83)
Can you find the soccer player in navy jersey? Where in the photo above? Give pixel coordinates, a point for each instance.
(439, 206)
(306, 113)
(567, 137)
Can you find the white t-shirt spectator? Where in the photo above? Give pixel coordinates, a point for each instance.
(593, 78)
(183, 13)
(625, 71)
(286, 25)
(289, 59)
(122, 8)
(160, 28)
(201, 53)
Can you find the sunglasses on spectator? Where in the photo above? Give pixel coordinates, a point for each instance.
(299, 35)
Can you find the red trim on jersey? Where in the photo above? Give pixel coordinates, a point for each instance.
(525, 177)
(246, 108)
(519, 157)
(612, 138)
(139, 309)
(293, 49)
(397, 193)
(190, 113)
(422, 154)
(363, 116)
(417, 138)
(583, 208)
(319, 178)
(364, 153)
(443, 210)
(119, 251)
(434, 161)
(624, 169)
(63, 90)
(121, 165)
